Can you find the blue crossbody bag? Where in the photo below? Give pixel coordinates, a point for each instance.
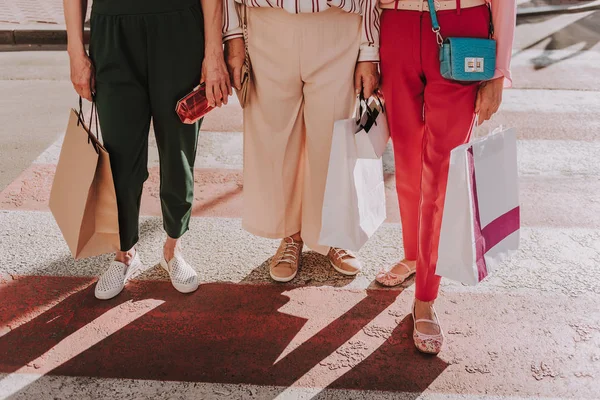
(465, 59)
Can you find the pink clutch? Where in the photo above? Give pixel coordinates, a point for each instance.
(193, 106)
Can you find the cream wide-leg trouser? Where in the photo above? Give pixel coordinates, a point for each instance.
(303, 81)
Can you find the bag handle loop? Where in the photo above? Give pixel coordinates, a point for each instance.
(362, 108)
(92, 120)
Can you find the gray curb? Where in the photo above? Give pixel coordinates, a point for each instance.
(36, 37)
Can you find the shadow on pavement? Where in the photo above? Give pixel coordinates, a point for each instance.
(315, 271)
(580, 36)
(222, 333)
(398, 362)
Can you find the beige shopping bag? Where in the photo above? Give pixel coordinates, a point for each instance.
(83, 199)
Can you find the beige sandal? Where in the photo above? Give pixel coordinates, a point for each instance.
(390, 279)
(428, 344)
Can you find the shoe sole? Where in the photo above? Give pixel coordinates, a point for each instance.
(283, 280)
(427, 352)
(343, 271)
(101, 296)
(180, 289)
(287, 278)
(136, 272)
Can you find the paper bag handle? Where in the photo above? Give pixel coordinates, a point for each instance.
(93, 139)
(371, 116)
(362, 102)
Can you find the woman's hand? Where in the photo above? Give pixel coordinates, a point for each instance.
(216, 78)
(83, 75)
(366, 78)
(489, 98)
(235, 55)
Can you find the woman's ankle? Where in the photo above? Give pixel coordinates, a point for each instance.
(125, 257)
(297, 237)
(169, 248)
(424, 304)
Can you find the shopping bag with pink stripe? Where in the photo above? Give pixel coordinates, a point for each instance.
(481, 220)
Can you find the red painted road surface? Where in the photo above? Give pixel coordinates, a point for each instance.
(223, 333)
(236, 333)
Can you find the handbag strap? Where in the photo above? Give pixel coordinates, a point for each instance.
(491, 28)
(436, 24)
(244, 12)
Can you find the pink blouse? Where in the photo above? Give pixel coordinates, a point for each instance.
(504, 15)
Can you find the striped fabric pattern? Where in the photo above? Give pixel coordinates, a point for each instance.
(369, 48)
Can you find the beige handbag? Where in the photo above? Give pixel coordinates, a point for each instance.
(242, 93)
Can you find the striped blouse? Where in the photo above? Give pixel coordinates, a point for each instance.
(503, 12)
(369, 47)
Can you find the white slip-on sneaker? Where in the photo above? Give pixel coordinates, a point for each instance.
(183, 277)
(112, 282)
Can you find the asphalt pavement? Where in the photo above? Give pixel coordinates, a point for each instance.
(530, 331)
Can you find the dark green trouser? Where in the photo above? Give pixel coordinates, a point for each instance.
(147, 54)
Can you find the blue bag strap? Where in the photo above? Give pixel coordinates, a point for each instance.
(434, 20)
(435, 25)
(491, 29)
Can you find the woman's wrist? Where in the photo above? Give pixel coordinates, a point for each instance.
(76, 49)
(498, 81)
(213, 48)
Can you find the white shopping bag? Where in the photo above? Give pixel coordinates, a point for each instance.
(372, 132)
(481, 219)
(354, 203)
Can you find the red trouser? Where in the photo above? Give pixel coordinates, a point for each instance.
(428, 117)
